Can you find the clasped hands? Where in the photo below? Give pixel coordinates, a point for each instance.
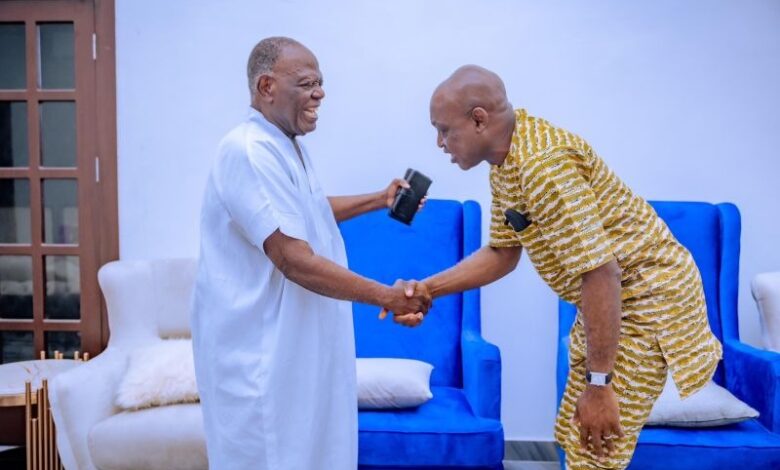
(409, 301)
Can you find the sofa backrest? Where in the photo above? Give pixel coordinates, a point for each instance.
(148, 300)
(381, 248)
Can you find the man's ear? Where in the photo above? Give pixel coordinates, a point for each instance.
(264, 87)
(480, 118)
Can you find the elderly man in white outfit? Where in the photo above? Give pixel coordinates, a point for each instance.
(272, 329)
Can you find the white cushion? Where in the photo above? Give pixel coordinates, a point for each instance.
(164, 438)
(160, 374)
(713, 405)
(164, 373)
(766, 292)
(392, 383)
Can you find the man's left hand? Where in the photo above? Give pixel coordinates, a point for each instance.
(393, 187)
(598, 416)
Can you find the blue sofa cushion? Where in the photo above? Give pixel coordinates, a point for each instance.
(443, 432)
(383, 249)
(722, 447)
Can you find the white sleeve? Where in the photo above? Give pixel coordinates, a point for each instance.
(258, 194)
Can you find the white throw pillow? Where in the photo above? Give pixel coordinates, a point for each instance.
(164, 374)
(392, 383)
(160, 374)
(713, 405)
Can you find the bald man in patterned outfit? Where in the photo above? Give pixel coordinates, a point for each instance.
(638, 292)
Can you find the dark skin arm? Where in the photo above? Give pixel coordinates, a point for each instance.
(298, 263)
(484, 266)
(597, 408)
(347, 207)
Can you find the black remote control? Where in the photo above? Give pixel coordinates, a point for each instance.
(408, 199)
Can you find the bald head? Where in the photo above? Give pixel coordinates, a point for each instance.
(472, 86)
(473, 117)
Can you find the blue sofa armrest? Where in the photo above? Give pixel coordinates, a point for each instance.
(567, 313)
(753, 375)
(561, 368)
(481, 375)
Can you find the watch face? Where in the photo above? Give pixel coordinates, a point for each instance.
(597, 378)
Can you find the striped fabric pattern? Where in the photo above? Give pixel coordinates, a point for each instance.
(639, 377)
(582, 216)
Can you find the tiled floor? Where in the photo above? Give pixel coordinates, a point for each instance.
(527, 455)
(531, 451)
(13, 459)
(527, 465)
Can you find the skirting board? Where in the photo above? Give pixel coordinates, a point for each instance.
(533, 451)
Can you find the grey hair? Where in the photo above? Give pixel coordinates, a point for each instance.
(264, 56)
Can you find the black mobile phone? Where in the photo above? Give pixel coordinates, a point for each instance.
(408, 199)
(517, 220)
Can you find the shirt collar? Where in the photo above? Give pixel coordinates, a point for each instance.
(258, 118)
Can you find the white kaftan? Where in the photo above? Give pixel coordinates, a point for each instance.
(275, 363)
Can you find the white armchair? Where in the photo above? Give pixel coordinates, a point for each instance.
(766, 292)
(147, 301)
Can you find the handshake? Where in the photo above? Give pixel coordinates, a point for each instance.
(409, 301)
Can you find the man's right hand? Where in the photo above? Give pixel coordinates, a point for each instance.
(409, 301)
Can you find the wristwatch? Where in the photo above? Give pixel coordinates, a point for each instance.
(599, 379)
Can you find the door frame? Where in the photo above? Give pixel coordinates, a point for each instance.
(96, 170)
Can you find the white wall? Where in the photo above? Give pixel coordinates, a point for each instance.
(680, 98)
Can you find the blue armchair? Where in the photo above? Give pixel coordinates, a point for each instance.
(460, 427)
(711, 233)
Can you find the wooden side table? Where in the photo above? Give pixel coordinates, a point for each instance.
(27, 384)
